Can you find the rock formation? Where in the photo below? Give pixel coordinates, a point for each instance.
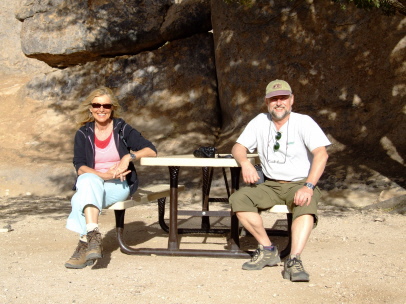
(193, 72)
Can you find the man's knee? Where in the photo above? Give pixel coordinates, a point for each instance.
(312, 218)
(242, 200)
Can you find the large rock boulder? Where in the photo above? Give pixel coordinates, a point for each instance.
(187, 18)
(64, 33)
(12, 59)
(169, 94)
(180, 97)
(346, 68)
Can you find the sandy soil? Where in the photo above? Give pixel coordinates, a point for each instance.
(353, 256)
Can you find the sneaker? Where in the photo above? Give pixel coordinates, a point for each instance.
(78, 259)
(262, 258)
(94, 250)
(293, 270)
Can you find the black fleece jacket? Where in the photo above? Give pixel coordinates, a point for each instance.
(126, 138)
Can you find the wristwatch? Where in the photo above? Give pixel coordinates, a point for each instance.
(310, 185)
(133, 156)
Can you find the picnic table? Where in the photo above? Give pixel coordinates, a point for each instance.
(174, 164)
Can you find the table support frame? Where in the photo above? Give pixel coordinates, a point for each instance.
(173, 249)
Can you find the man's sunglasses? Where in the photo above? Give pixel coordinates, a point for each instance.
(278, 136)
(99, 105)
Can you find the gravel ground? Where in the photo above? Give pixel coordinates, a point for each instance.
(353, 256)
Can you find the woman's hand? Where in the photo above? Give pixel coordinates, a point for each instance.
(114, 172)
(121, 169)
(110, 174)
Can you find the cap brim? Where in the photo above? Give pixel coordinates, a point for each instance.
(278, 93)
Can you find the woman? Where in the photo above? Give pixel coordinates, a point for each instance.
(103, 159)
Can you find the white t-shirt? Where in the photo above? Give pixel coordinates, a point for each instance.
(292, 161)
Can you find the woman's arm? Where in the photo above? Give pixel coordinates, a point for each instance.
(139, 146)
(121, 169)
(110, 174)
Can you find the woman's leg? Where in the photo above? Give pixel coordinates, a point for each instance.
(115, 191)
(90, 193)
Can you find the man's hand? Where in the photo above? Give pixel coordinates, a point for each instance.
(303, 196)
(249, 173)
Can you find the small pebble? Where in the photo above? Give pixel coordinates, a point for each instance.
(379, 219)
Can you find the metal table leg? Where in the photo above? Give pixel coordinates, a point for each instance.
(234, 239)
(173, 241)
(207, 179)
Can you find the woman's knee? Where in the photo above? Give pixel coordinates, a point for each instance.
(88, 179)
(89, 191)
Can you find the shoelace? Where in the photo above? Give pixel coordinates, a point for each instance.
(256, 255)
(296, 263)
(78, 250)
(94, 239)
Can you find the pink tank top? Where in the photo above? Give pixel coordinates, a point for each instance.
(106, 157)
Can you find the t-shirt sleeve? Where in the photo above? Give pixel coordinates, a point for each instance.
(312, 135)
(248, 138)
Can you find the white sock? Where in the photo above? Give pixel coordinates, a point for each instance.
(91, 226)
(83, 238)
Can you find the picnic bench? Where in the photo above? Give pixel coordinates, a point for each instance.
(144, 195)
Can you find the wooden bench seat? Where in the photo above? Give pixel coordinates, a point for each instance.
(279, 209)
(143, 195)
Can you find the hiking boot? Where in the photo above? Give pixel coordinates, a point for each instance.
(78, 259)
(94, 250)
(293, 270)
(262, 258)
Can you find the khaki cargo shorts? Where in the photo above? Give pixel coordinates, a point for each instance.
(270, 193)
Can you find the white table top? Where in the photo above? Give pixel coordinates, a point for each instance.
(188, 160)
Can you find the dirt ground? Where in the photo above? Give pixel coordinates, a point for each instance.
(353, 256)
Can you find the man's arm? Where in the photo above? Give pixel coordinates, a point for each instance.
(320, 157)
(249, 173)
(303, 195)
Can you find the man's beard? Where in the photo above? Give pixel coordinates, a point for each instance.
(279, 116)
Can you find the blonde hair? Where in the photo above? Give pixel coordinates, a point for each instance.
(84, 114)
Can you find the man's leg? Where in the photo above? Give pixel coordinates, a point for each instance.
(293, 266)
(252, 221)
(245, 203)
(301, 229)
(266, 254)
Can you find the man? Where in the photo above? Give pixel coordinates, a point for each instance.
(292, 151)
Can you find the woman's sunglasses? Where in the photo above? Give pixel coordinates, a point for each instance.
(99, 105)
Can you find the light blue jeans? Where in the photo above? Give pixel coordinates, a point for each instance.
(93, 190)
